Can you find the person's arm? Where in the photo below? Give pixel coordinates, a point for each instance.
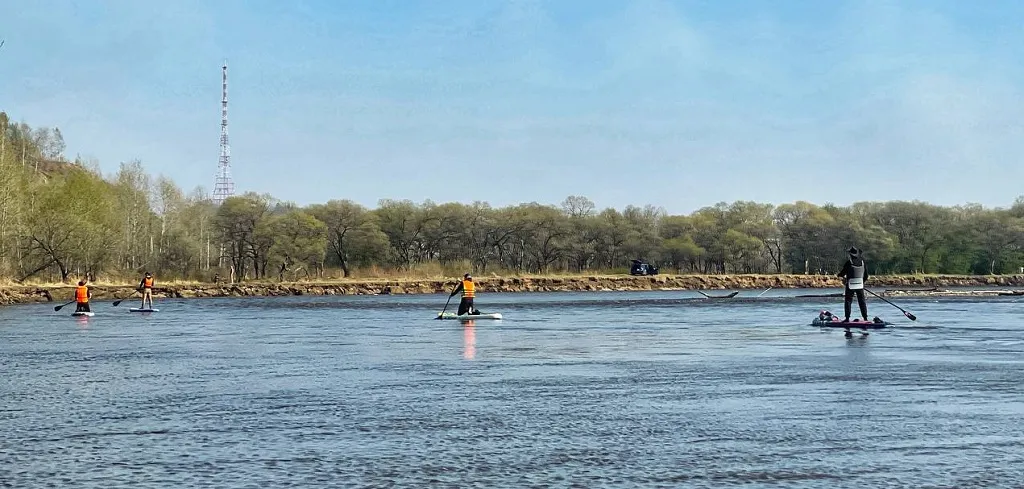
(847, 268)
(865, 272)
(456, 291)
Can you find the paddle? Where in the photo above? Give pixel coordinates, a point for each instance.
(129, 296)
(905, 313)
(446, 305)
(57, 308)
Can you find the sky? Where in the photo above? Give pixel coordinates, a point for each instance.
(678, 104)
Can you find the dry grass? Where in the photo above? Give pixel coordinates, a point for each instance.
(98, 283)
(375, 275)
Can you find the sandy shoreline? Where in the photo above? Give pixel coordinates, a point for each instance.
(899, 285)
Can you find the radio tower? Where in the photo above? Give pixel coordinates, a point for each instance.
(224, 187)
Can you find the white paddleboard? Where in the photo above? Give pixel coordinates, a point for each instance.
(83, 313)
(139, 309)
(471, 317)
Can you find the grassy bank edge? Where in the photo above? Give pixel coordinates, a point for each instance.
(15, 294)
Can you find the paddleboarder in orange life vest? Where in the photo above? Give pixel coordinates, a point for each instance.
(468, 289)
(82, 295)
(146, 287)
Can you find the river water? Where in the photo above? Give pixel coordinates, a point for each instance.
(631, 389)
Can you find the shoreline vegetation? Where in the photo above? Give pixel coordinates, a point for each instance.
(61, 221)
(893, 285)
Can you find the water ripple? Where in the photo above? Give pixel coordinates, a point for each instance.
(570, 390)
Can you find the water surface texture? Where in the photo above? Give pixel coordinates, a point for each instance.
(652, 389)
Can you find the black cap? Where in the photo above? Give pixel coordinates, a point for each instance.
(853, 250)
(467, 276)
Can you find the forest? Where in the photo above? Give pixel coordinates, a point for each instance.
(62, 218)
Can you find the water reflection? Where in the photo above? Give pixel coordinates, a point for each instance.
(469, 340)
(719, 394)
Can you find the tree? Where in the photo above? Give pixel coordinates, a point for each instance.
(578, 207)
(353, 235)
(918, 228)
(239, 223)
(403, 223)
(298, 239)
(68, 226)
(996, 233)
(132, 189)
(543, 235)
(612, 232)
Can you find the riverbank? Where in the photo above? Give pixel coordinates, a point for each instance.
(900, 285)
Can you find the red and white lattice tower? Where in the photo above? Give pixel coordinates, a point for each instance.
(224, 187)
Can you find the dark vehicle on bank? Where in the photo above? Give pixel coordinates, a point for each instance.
(641, 267)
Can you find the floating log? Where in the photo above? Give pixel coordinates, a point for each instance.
(913, 289)
(730, 296)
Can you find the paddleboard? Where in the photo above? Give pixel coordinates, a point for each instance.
(853, 324)
(471, 317)
(83, 313)
(138, 309)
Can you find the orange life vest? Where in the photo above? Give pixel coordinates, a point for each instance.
(468, 291)
(81, 294)
(147, 282)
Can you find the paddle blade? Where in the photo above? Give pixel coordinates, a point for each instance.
(57, 308)
(910, 316)
(117, 303)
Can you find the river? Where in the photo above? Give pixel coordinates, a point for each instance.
(634, 389)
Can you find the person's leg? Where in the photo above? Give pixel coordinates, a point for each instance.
(847, 302)
(464, 305)
(862, 303)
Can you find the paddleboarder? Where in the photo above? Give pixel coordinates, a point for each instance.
(146, 287)
(468, 289)
(82, 295)
(854, 274)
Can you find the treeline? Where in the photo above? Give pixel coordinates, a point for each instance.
(61, 219)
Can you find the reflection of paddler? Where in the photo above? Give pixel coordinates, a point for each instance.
(469, 340)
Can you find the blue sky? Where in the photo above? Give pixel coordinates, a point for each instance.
(679, 104)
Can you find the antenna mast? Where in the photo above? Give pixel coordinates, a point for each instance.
(224, 186)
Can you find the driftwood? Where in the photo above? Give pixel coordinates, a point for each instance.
(913, 289)
(730, 296)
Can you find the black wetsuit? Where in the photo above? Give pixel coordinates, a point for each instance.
(855, 271)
